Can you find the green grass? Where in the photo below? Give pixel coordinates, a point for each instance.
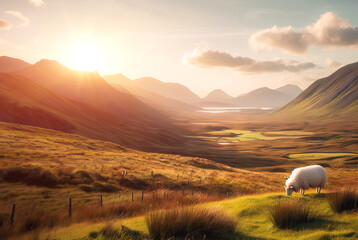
(319, 155)
(254, 220)
(235, 136)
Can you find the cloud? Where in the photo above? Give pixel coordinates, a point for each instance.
(330, 31)
(330, 63)
(214, 58)
(4, 24)
(24, 20)
(37, 3)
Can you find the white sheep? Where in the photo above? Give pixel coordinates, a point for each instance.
(306, 177)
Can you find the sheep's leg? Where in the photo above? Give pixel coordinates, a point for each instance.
(318, 190)
(302, 192)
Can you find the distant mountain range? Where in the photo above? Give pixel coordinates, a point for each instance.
(8, 64)
(174, 91)
(151, 97)
(158, 94)
(50, 95)
(261, 97)
(335, 96)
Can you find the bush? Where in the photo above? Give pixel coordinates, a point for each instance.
(346, 200)
(189, 221)
(30, 176)
(289, 214)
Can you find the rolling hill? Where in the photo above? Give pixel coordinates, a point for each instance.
(335, 96)
(23, 101)
(150, 98)
(9, 64)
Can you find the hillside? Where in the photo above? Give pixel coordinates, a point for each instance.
(335, 96)
(253, 221)
(25, 102)
(217, 95)
(8, 64)
(89, 88)
(150, 98)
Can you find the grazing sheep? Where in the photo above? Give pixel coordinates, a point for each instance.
(306, 177)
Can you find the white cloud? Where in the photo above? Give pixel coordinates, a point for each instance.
(37, 3)
(24, 21)
(214, 58)
(329, 31)
(331, 63)
(4, 24)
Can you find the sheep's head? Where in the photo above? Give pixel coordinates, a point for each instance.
(289, 190)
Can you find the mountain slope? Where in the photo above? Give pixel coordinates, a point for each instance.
(8, 64)
(262, 97)
(150, 98)
(217, 95)
(87, 87)
(333, 96)
(25, 102)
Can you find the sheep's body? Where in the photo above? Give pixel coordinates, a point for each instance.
(306, 177)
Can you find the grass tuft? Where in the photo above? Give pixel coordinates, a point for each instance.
(190, 221)
(345, 200)
(288, 214)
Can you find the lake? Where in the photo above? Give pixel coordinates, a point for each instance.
(231, 109)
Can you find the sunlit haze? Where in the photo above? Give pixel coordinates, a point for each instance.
(236, 46)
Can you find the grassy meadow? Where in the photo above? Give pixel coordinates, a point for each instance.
(41, 169)
(252, 214)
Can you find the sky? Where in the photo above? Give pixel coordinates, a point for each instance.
(234, 45)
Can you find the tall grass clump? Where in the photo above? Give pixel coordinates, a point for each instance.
(289, 214)
(190, 221)
(345, 200)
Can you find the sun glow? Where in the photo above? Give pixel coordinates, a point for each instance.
(86, 56)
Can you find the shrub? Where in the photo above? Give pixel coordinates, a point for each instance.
(289, 214)
(346, 200)
(188, 221)
(109, 232)
(33, 219)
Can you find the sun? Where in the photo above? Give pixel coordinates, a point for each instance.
(86, 56)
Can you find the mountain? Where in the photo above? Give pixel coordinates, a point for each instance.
(150, 98)
(90, 88)
(290, 89)
(171, 90)
(333, 96)
(23, 101)
(217, 95)
(262, 97)
(8, 64)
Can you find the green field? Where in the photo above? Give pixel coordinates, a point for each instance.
(253, 221)
(236, 136)
(319, 155)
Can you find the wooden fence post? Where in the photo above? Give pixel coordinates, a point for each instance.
(101, 201)
(142, 196)
(12, 215)
(152, 173)
(70, 208)
(132, 197)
